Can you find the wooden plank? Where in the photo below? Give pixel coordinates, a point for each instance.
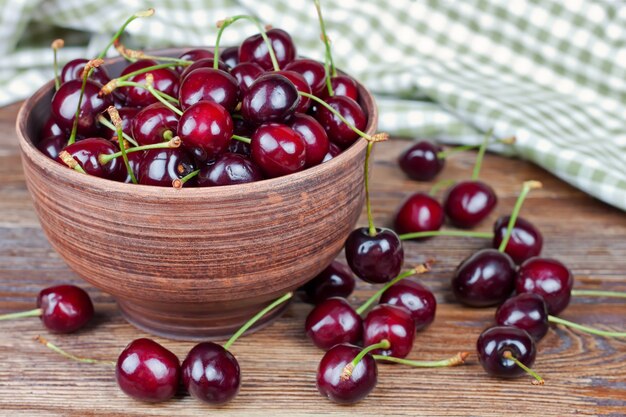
(584, 375)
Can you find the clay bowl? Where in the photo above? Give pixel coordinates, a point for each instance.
(193, 263)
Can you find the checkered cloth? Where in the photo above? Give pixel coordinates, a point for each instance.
(550, 72)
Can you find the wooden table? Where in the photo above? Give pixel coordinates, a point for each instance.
(584, 375)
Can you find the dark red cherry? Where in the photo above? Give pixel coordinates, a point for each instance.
(484, 279)
(73, 70)
(278, 150)
(51, 128)
(361, 382)
(338, 132)
(146, 371)
(302, 86)
(254, 49)
(333, 321)
(208, 84)
(526, 311)
(492, 344)
(211, 373)
(162, 166)
(228, 169)
(419, 213)
(52, 146)
(420, 162)
(65, 102)
(165, 80)
(246, 73)
(336, 280)
(202, 63)
(86, 153)
(314, 135)
(549, 278)
(206, 126)
(272, 97)
(239, 147)
(526, 241)
(333, 151)
(64, 308)
(194, 55)
(127, 114)
(230, 56)
(374, 259)
(313, 72)
(415, 297)
(342, 86)
(152, 122)
(394, 323)
(134, 160)
(467, 203)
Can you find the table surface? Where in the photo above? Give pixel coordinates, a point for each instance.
(584, 375)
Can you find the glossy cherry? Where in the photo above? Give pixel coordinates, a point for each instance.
(65, 102)
(229, 169)
(420, 161)
(314, 135)
(484, 279)
(336, 280)
(194, 55)
(333, 151)
(342, 85)
(73, 70)
(162, 166)
(165, 80)
(549, 278)
(393, 323)
(147, 371)
(414, 297)
(495, 341)
(302, 86)
(272, 97)
(86, 153)
(419, 213)
(526, 311)
(51, 128)
(254, 49)
(211, 373)
(230, 56)
(152, 122)
(246, 73)
(313, 72)
(134, 160)
(331, 382)
(208, 84)
(374, 259)
(467, 203)
(333, 321)
(278, 150)
(52, 145)
(206, 127)
(526, 241)
(338, 132)
(127, 114)
(64, 308)
(202, 63)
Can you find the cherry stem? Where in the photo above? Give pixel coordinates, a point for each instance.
(86, 71)
(148, 69)
(256, 318)
(419, 269)
(117, 122)
(179, 182)
(69, 160)
(105, 122)
(439, 185)
(168, 134)
(29, 313)
(538, 380)
(458, 233)
(242, 139)
(223, 24)
(481, 154)
(349, 368)
(368, 205)
(586, 329)
(448, 152)
(599, 293)
(56, 45)
(458, 359)
(526, 187)
(68, 355)
(144, 13)
(172, 143)
(329, 64)
(160, 95)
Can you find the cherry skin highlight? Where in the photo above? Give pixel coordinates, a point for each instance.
(229, 169)
(64, 308)
(271, 98)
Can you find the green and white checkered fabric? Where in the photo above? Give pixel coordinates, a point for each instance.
(550, 72)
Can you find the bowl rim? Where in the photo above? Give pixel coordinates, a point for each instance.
(30, 151)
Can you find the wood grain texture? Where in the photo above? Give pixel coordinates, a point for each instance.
(194, 263)
(585, 375)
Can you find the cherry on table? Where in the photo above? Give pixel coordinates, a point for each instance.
(254, 49)
(467, 203)
(414, 297)
(421, 162)
(525, 311)
(549, 278)
(419, 213)
(271, 98)
(246, 73)
(338, 132)
(162, 166)
(336, 280)
(333, 321)
(152, 122)
(62, 308)
(375, 259)
(493, 345)
(65, 102)
(164, 80)
(147, 371)
(525, 242)
(208, 84)
(393, 323)
(207, 127)
(314, 135)
(228, 169)
(313, 72)
(278, 150)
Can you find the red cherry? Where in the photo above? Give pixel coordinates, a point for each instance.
(393, 323)
(278, 150)
(272, 97)
(165, 80)
(314, 135)
(152, 122)
(415, 297)
(65, 102)
(207, 127)
(526, 241)
(64, 308)
(208, 84)
(421, 162)
(467, 203)
(419, 213)
(127, 114)
(301, 85)
(333, 151)
(313, 72)
(246, 73)
(86, 153)
(549, 278)
(338, 132)
(254, 49)
(336, 280)
(342, 85)
(333, 321)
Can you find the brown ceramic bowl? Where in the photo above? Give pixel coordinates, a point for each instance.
(193, 263)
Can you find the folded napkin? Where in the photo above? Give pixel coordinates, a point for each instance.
(552, 73)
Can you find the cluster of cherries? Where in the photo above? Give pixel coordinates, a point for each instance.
(206, 118)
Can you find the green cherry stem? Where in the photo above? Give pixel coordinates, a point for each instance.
(223, 24)
(329, 64)
(256, 318)
(456, 149)
(458, 359)
(526, 187)
(481, 154)
(586, 329)
(56, 45)
(88, 68)
(126, 77)
(117, 122)
(349, 368)
(598, 293)
(20, 314)
(439, 185)
(106, 123)
(419, 269)
(143, 13)
(179, 182)
(175, 142)
(68, 355)
(368, 205)
(242, 139)
(159, 94)
(508, 355)
(457, 233)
